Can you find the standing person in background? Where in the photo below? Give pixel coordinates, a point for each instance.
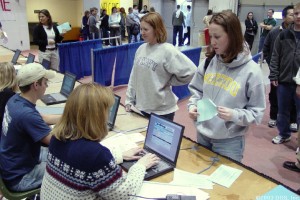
(251, 29)
(123, 23)
(8, 86)
(152, 9)
(85, 27)
(206, 19)
(94, 31)
(187, 35)
(288, 18)
(178, 22)
(129, 24)
(104, 26)
(266, 26)
(144, 10)
(234, 83)
(46, 36)
(284, 65)
(90, 170)
(114, 25)
(157, 67)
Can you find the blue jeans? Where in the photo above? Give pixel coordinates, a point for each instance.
(285, 95)
(231, 147)
(34, 178)
(179, 30)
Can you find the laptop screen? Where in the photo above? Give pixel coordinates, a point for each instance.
(16, 56)
(68, 84)
(46, 64)
(30, 58)
(113, 111)
(164, 137)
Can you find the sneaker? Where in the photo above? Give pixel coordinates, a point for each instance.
(272, 123)
(279, 139)
(293, 127)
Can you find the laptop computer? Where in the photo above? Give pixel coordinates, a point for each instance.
(30, 58)
(66, 89)
(163, 138)
(16, 57)
(46, 63)
(113, 113)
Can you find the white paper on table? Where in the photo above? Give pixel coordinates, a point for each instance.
(136, 137)
(50, 110)
(185, 178)
(162, 189)
(119, 140)
(225, 175)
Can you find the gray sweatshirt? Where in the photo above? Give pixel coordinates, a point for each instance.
(237, 85)
(156, 68)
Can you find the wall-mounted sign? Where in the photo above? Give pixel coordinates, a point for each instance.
(5, 5)
(108, 4)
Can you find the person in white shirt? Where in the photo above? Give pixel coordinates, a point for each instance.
(114, 25)
(187, 34)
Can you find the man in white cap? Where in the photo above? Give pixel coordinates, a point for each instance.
(24, 130)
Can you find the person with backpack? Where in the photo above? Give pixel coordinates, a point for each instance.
(130, 22)
(234, 83)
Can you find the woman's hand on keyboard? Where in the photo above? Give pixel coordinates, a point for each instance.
(133, 154)
(149, 160)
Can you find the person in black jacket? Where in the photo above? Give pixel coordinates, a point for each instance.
(251, 29)
(85, 26)
(104, 26)
(46, 36)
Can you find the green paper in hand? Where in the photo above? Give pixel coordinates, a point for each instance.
(206, 110)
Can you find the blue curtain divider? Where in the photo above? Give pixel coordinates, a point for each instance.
(256, 57)
(124, 62)
(75, 57)
(104, 60)
(183, 90)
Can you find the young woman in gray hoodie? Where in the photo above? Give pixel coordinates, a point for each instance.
(157, 67)
(234, 83)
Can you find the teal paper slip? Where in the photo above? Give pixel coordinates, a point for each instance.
(279, 192)
(206, 109)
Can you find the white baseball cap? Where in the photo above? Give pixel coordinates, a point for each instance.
(32, 72)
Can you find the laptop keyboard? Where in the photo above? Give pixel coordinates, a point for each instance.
(58, 96)
(160, 166)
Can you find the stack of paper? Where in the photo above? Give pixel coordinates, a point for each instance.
(225, 175)
(206, 110)
(163, 189)
(190, 179)
(64, 27)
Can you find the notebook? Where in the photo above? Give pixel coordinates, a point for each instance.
(46, 63)
(113, 113)
(163, 138)
(66, 89)
(30, 58)
(16, 57)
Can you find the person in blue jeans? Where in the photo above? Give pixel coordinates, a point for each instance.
(24, 130)
(234, 82)
(285, 62)
(266, 27)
